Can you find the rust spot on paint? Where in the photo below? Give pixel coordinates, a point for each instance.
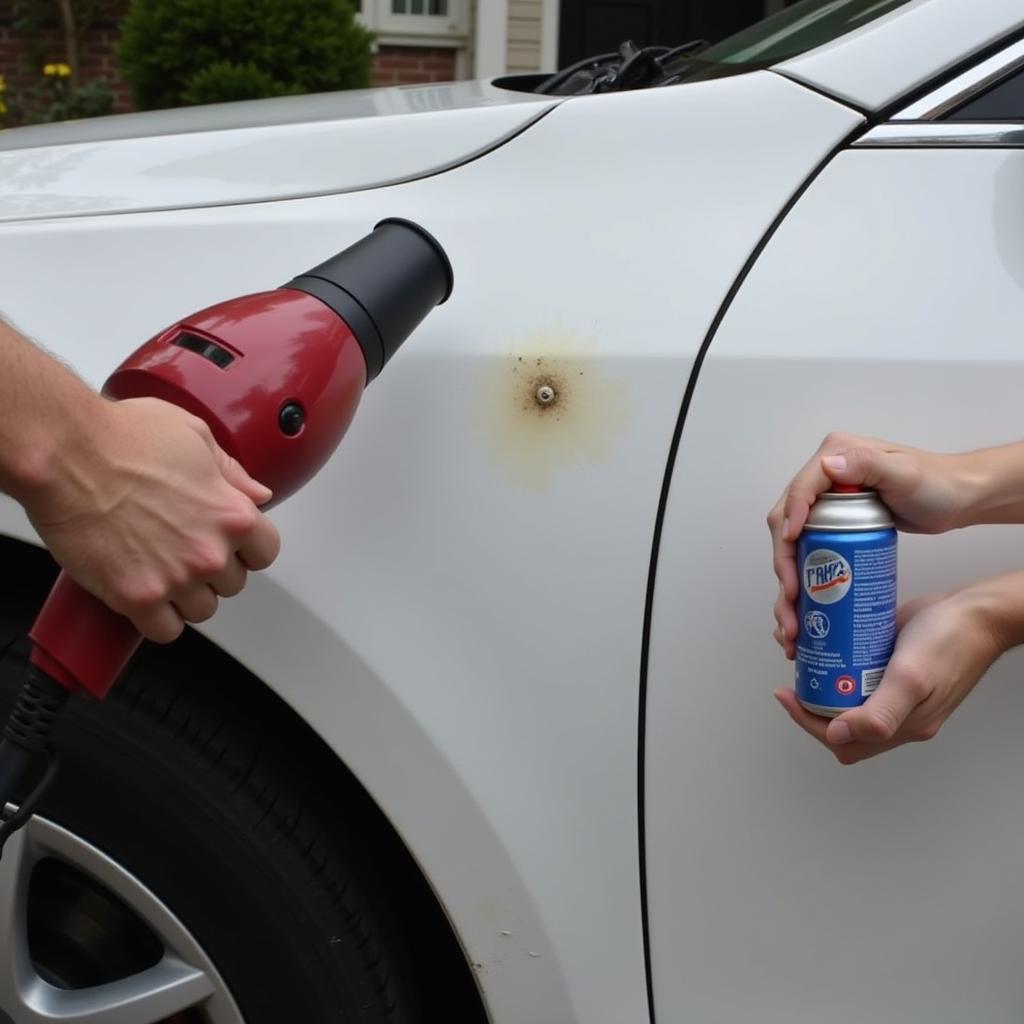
(550, 406)
(541, 387)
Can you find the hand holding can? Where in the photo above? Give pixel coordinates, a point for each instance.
(927, 492)
(846, 609)
(945, 642)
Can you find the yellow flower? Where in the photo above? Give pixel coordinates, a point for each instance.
(50, 69)
(60, 70)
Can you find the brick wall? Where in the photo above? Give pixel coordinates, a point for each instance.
(394, 65)
(97, 60)
(407, 65)
(95, 56)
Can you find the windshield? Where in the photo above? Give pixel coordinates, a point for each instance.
(800, 27)
(797, 29)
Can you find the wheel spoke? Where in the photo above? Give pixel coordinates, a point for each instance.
(183, 979)
(15, 872)
(145, 998)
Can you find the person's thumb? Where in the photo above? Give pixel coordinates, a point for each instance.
(894, 472)
(232, 471)
(880, 718)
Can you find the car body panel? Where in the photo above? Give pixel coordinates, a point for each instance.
(784, 887)
(270, 149)
(351, 105)
(459, 603)
(874, 66)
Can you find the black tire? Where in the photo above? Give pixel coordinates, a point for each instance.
(196, 787)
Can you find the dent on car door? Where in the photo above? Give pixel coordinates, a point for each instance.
(784, 887)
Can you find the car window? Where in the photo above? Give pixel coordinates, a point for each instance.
(1003, 101)
(797, 29)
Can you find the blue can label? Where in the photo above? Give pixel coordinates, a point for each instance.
(847, 615)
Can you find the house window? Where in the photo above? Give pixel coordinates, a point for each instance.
(420, 7)
(413, 22)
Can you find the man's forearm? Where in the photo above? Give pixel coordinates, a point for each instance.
(134, 498)
(992, 482)
(996, 606)
(46, 413)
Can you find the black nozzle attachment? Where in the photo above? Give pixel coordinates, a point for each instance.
(382, 286)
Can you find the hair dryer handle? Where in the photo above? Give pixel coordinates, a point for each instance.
(78, 641)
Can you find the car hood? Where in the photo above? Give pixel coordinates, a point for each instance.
(254, 151)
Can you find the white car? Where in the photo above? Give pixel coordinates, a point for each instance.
(494, 739)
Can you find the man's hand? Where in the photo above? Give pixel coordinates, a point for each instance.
(945, 644)
(925, 491)
(150, 515)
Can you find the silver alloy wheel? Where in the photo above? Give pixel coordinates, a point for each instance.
(183, 979)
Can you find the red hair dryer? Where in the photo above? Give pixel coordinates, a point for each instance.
(277, 376)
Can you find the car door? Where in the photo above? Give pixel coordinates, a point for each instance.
(782, 886)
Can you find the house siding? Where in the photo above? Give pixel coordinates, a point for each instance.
(524, 35)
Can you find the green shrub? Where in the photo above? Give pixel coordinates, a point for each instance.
(93, 99)
(223, 82)
(175, 52)
(52, 97)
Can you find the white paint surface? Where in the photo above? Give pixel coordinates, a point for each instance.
(322, 144)
(903, 50)
(784, 888)
(463, 632)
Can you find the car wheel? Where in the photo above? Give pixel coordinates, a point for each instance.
(187, 869)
